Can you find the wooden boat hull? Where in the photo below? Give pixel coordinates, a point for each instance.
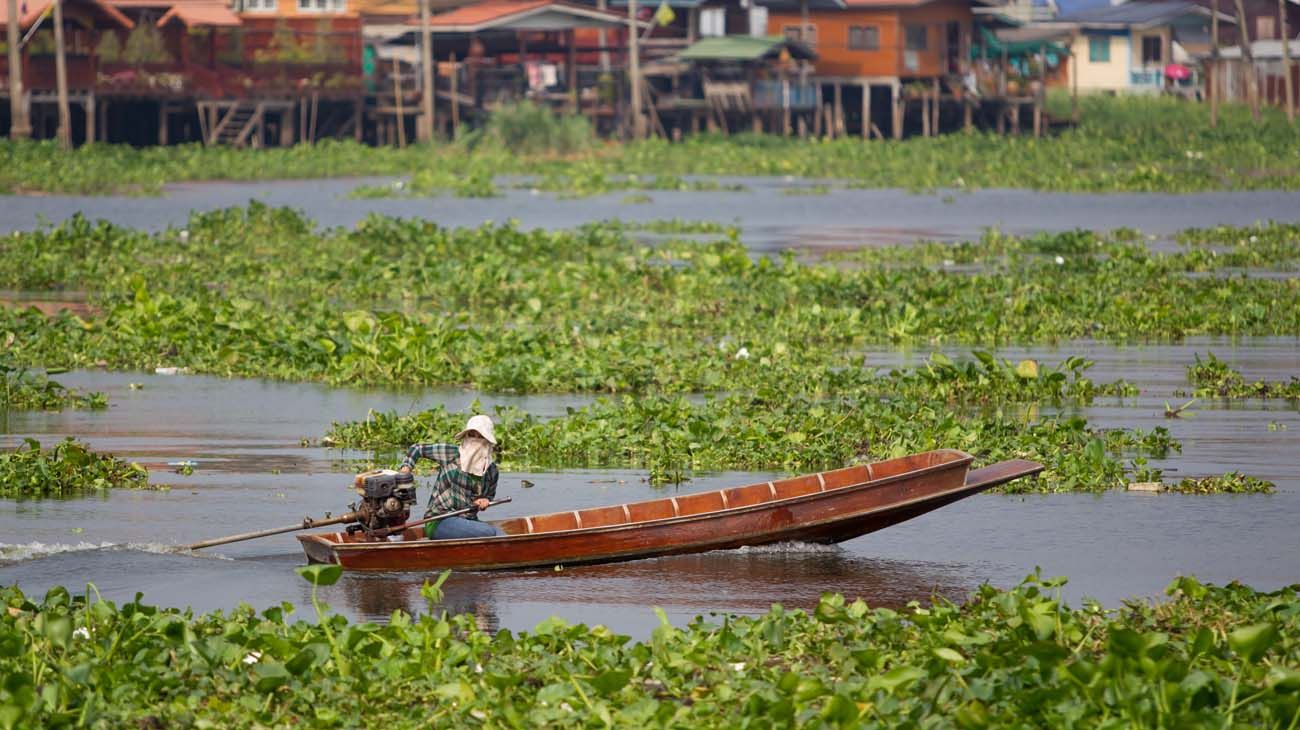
(828, 507)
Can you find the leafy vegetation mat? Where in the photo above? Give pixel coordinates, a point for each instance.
(768, 349)
(24, 390)
(1208, 656)
(68, 469)
(1128, 144)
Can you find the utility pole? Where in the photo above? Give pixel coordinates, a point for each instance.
(20, 126)
(1286, 60)
(1215, 68)
(634, 71)
(425, 131)
(61, 78)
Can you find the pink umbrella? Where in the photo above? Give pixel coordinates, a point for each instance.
(1177, 72)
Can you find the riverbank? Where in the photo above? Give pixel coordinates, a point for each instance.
(1121, 145)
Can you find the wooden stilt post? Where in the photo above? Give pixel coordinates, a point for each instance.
(357, 105)
(896, 103)
(839, 109)
(89, 106)
(803, 38)
(1215, 69)
(866, 111)
(424, 131)
(1248, 60)
(102, 127)
(634, 71)
(571, 70)
(934, 109)
(61, 78)
(603, 40)
(1074, 87)
(20, 123)
(455, 98)
(1286, 60)
(785, 105)
(397, 100)
(162, 124)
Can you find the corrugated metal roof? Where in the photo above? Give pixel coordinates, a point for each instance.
(519, 15)
(1136, 13)
(742, 48)
(687, 4)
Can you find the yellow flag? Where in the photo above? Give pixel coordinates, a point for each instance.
(664, 15)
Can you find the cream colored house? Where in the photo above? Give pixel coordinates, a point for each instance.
(1128, 48)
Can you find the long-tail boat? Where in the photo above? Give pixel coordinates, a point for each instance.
(826, 507)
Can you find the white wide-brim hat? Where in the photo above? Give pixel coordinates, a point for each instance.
(482, 424)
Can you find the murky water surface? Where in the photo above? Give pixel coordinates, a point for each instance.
(253, 472)
(772, 219)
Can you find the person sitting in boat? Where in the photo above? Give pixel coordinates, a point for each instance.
(467, 477)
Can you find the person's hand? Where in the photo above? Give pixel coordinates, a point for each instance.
(481, 504)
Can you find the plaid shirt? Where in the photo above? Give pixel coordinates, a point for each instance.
(453, 489)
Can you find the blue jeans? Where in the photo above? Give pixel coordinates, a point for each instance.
(457, 528)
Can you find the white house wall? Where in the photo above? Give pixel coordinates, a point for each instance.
(1112, 75)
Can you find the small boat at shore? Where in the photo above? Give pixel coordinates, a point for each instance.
(827, 507)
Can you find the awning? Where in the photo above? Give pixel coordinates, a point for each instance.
(993, 45)
(745, 48)
(201, 15)
(517, 15)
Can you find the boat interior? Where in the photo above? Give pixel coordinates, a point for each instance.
(687, 505)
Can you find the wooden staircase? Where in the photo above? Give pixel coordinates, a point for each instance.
(234, 123)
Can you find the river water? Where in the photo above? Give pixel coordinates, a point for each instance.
(253, 471)
(771, 219)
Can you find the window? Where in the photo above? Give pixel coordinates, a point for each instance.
(864, 38)
(1152, 51)
(257, 6)
(713, 22)
(1265, 27)
(320, 6)
(1099, 49)
(791, 33)
(916, 37)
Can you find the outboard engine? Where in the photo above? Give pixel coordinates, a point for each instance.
(386, 499)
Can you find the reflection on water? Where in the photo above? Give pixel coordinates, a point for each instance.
(253, 473)
(746, 581)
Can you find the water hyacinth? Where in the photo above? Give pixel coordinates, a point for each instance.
(24, 390)
(68, 469)
(1206, 656)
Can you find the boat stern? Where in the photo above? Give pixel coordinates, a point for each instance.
(319, 548)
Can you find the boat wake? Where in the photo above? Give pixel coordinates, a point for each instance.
(790, 548)
(11, 553)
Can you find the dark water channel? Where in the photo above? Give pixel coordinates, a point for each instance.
(254, 473)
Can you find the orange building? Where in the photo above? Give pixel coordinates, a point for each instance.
(868, 50)
(883, 40)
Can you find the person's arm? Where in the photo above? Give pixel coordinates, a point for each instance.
(441, 453)
(489, 491)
